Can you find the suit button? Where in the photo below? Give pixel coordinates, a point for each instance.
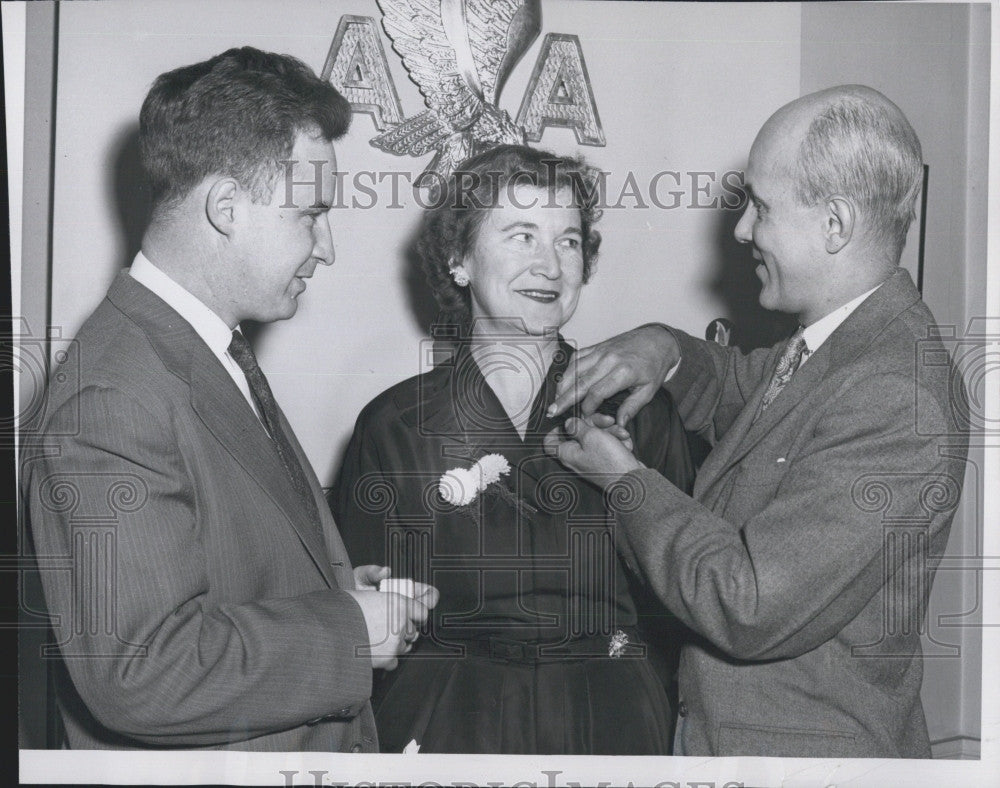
(356, 748)
(682, 709)
(344, 712)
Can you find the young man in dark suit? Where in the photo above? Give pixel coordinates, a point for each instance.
(211, 602)
(801, 561)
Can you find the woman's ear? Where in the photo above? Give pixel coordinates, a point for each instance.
(220, 205)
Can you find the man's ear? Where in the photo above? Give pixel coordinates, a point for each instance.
(838, 224)
(220, 205)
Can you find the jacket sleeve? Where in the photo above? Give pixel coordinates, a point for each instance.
(815, 553)
(713, 383)
(660, 441)
(148, 654)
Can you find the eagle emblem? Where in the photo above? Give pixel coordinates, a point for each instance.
(459, 53)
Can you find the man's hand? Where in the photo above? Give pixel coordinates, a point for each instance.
(426, 594)
(393, 621)
(637, 360)
(367, 577)
(598, 454)
(612, 427)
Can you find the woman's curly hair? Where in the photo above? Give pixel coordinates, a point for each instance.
(459, 205)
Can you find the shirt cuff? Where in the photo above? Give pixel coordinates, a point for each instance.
(672, 371)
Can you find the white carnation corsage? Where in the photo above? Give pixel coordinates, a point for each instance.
(462, 486)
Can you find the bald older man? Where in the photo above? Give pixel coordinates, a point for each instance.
(801, 561)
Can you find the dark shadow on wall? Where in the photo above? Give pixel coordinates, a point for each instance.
(423, 306)
(736, 284)
(130, 192)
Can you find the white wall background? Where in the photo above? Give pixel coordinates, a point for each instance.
(680, 86)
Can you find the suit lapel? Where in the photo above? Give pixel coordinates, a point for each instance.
(339, 560)
(849, 340)
(747, 433)
(224, 411)
(220, 405)
(805, 380)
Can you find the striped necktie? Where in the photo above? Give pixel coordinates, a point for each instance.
(787, 364)
(243, 354)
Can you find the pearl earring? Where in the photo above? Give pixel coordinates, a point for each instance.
(460, 275)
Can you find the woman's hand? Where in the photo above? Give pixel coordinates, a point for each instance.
(608, 424)
(599, 454)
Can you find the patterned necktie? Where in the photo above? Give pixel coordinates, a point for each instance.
(787, 364)
(241, 351)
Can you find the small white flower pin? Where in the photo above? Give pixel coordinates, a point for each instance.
(619, 641)
(461, 486)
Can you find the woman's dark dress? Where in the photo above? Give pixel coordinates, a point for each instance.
(516, 659)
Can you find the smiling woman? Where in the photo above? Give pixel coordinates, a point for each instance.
(540, 643)
(527, 262)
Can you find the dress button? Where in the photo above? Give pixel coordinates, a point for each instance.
(682, 709)
(356, 748)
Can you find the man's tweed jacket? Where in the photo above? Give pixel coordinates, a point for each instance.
(804, 559)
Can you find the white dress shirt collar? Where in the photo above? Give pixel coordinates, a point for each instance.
(820, 331)
(208, 325)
